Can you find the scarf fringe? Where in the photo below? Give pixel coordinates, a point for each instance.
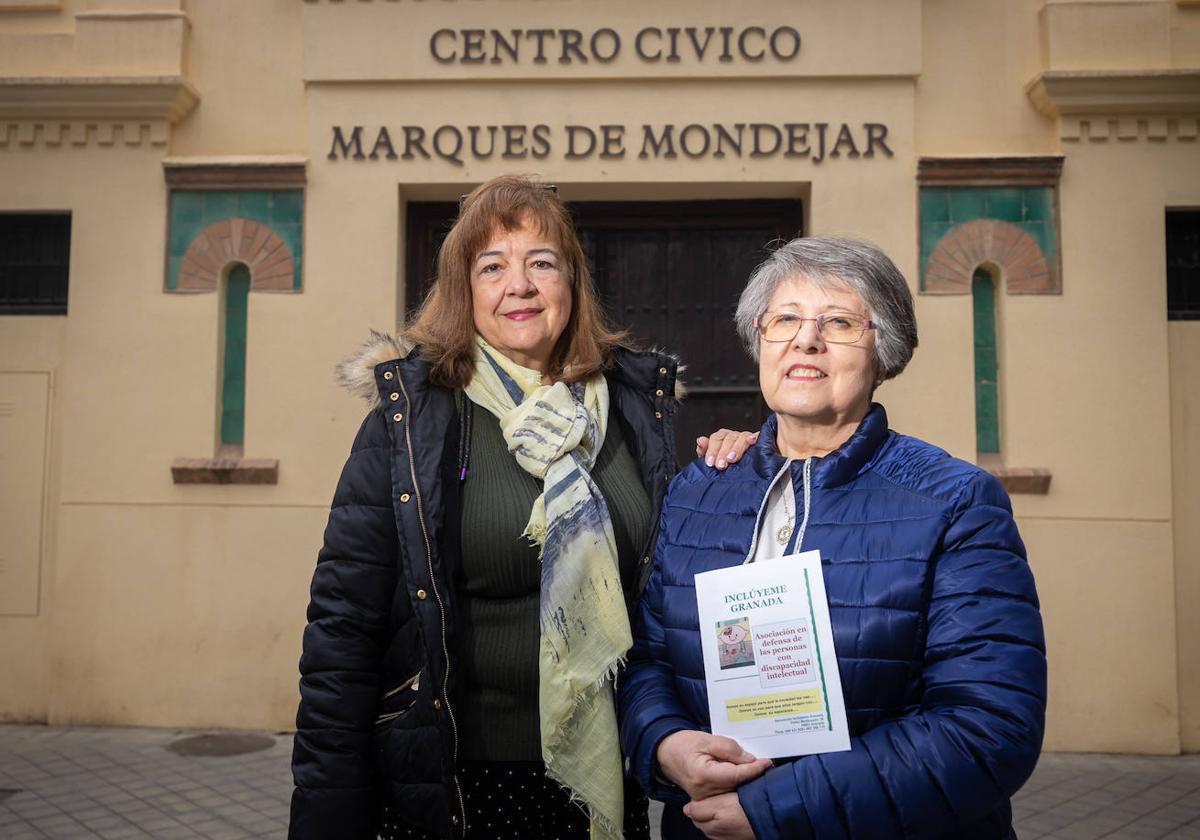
(538, 526)
(602, 828)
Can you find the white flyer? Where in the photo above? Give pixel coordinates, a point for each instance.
(769, 662)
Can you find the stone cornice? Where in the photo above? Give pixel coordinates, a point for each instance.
(30, 6)
(248, 172)
(139, 14)
(227, 469)
(1112, 92)
(38, 98)
(1023, 479)
(1009, 171)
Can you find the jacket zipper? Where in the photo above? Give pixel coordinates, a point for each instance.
(647, 555)
(644, 566)
(412, 467)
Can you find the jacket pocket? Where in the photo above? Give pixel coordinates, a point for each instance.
(400, 699)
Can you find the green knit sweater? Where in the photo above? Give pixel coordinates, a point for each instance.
(499, 581)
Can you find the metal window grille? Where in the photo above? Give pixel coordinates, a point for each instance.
(1183, 265)
(35, 256)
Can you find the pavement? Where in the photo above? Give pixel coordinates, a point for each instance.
(112, 783)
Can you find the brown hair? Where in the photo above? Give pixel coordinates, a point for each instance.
(444, 327)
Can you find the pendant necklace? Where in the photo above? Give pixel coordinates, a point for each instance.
(789, 508)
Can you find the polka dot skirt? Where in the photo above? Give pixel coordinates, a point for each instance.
(513, 800)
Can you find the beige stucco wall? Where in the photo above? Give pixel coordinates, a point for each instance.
(32, 345)
(1184, 342)
(209, 603)
(150, 591)
(159, 605)
(245, 59)
(99, 198)
(1105, 528)
(174, 605)
(382, 42)
(976, 57)
(1106, 593)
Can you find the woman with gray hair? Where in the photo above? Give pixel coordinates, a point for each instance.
(935, 616)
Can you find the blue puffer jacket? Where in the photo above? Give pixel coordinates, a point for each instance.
(935, 622)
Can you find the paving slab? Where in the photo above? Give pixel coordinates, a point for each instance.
(71, 783)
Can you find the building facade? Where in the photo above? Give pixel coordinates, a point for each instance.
(205, 204)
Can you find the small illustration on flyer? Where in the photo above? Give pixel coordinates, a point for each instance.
(733, 639)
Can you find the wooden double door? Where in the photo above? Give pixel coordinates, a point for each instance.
(670, 272)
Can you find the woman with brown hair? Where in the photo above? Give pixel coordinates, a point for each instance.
(490, 529)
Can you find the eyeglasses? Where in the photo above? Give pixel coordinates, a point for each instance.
(833, 327)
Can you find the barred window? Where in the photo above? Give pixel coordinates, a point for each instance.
(35, 256)
(1183, 265)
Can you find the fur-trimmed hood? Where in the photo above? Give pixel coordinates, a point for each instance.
(356, 372)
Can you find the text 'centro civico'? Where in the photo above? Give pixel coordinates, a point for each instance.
(455, 144)
(651, 44)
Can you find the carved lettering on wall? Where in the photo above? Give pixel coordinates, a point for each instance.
(651, 45)
(815, 142)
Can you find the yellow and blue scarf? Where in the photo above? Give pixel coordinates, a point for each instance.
(556, 432)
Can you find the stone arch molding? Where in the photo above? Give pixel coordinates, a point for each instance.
(967, 246)
(235, 239)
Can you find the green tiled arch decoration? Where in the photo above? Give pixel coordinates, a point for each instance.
(265, 255)
(966, 247)
(1014, 228)
(208, 229)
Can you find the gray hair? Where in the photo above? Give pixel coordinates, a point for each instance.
(832, 262)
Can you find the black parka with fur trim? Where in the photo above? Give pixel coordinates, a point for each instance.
(376, 721)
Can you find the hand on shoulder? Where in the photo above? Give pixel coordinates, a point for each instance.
(724, 447)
